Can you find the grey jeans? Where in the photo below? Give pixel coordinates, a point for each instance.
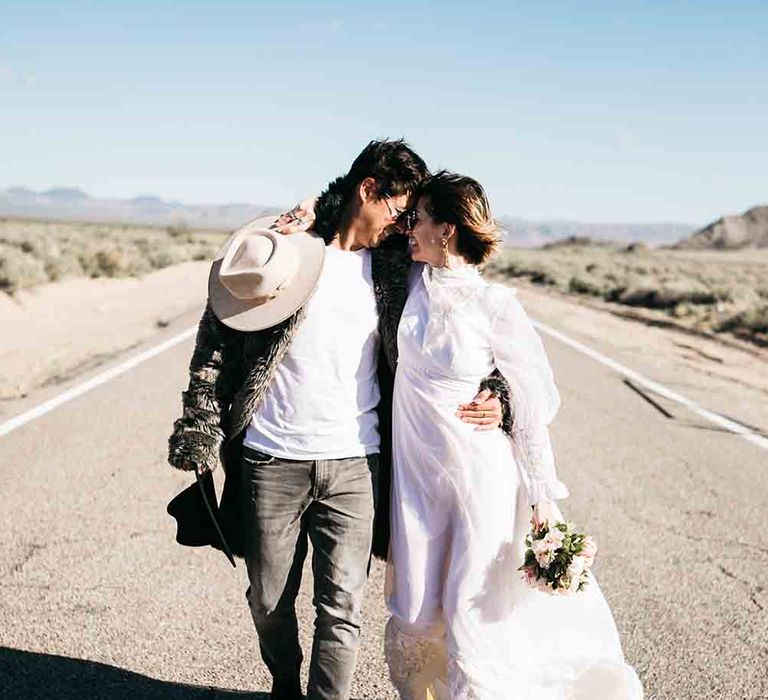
(332, 503)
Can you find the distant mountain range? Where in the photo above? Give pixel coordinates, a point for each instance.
(74, 204)
(522, 232)
(748, 230)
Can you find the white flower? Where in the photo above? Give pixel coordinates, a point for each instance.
(554, 538)
(543, 552)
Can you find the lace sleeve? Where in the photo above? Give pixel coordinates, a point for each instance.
(519, 354)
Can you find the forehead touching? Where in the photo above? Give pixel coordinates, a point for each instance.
(422, 205)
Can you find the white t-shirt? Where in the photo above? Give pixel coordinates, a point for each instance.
(321, 403)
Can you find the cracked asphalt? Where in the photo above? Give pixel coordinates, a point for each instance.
(97, 601)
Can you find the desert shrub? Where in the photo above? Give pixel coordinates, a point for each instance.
(109, 260)
(106, 262)
(544, 277)
(136, 264)
(682, 310)
(205, 250)
(679, 293)
(65, 265)
(700, 289)
(177, 228)
(753, 320)
(723, 294)
(572, 242)
(665, 295)
(36, 252)
(19, 269)
(586, 285)
(163, 256)
(546, 273)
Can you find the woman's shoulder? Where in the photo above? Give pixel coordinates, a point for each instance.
(500, 292)
(500, 299)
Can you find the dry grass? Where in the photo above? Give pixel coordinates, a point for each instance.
(720, 291)
(36, 252)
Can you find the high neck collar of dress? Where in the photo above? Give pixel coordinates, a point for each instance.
(446, 275)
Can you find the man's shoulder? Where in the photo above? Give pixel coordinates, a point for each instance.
(391, 258)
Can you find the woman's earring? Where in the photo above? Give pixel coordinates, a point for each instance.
(445, 251)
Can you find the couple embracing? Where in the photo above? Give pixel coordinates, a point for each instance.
(369, 392)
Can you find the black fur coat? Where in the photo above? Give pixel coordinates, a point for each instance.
(230, 371)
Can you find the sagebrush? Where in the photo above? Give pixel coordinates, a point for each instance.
(712, 291)
(36, 252)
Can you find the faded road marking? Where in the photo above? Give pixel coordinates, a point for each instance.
(660, 389)
(98, 380)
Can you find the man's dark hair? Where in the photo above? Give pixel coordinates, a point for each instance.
(395, 167)
(393, 164)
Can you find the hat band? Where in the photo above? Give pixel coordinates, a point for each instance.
(258, 301)
(251, 286)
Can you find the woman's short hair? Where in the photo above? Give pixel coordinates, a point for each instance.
(461, 201)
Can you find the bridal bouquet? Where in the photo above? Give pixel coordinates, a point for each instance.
(557, 559)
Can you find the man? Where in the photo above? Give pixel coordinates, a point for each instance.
(300, 413)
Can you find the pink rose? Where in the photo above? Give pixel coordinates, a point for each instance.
(529, 575)
(589, 551)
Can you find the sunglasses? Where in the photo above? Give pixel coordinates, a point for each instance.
(394, 212)
(407, 220)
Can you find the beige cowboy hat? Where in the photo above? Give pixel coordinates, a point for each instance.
(261, 277)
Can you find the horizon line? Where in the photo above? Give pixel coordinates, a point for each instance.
(530, 219)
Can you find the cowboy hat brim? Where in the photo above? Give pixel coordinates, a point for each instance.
(253, 315)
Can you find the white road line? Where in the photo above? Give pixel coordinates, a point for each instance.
(98, 380)
(657, 388)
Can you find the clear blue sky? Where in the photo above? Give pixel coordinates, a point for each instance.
(599, 111)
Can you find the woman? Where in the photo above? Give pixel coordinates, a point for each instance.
(463, 625)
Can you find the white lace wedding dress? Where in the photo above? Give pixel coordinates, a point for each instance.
(463, 624)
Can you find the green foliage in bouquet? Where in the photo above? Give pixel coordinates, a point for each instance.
(557, 558)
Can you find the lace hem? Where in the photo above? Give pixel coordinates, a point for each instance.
(416, 664)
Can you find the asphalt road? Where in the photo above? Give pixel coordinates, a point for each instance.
(96, 599)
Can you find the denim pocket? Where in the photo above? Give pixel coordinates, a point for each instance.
(252, 456)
